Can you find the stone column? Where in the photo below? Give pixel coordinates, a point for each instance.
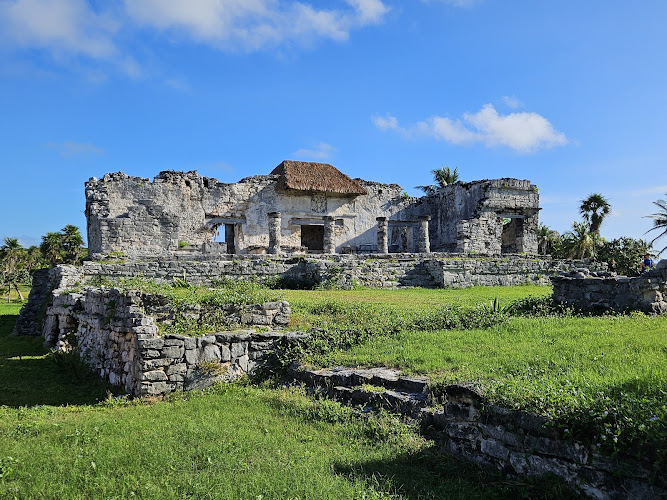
(423, 245)
(383, 242)
(275, 223)
(329, 243)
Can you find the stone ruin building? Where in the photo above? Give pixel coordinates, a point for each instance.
(303, 207)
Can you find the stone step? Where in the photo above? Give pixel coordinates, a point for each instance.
(405, 395)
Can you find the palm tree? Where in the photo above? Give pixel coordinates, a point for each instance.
(72, 244)
(51, 248)
(580, 241)
(10, 257)
(659, 221)
(443, 176)
(545, 239)
(594, 209)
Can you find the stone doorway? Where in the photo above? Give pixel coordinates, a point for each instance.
(230, 238)
(312, 237)
(512, 231)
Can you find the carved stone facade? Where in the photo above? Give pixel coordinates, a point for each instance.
(304, 208)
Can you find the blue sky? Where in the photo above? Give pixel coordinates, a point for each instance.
(569, 94)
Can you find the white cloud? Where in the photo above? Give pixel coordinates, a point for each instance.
(322, 151)
(71, 29)
(254, 24)
(521, 131)
(387, 122)
(59, 25)
(71, 148)
(455, 3)
(512, 102)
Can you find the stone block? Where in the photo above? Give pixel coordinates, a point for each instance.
(225, 353)
(494, 449)
(154, 376)
(239, 349)
(211, 353)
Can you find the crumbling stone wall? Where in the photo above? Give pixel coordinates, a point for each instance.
(646, 292)
(468, 217)
(380, 271)
(119, 339)
(182, 212)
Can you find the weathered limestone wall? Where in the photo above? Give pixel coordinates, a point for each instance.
(180, 212)
(467, 217)
(524, 444)
(120, 341)
(382, 271)
(140, 218)
(647, 292)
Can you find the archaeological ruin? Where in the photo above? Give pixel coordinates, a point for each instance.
(301, 208)
(309, 224)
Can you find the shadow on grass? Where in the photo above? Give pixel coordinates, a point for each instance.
(28, 377)
(434, 474)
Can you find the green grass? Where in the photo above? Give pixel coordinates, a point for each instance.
(26, 373)
(12, 296)
(63, 440)
(604, 379)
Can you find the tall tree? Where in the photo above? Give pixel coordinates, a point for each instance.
(594, 210)
(659, 221)
(443, 176)
(579, 242)
(11, 254)
(51, 248)
(72, 244)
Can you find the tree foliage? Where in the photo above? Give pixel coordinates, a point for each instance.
(577, 243)
(65, 247)
(594, 209)
(627, 252)
(442, 176)
(659, 221)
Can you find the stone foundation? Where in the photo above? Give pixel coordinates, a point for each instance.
(378, 271)
(117, 336)
(647, 292)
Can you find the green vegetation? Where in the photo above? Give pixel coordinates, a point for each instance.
(601, 378)
(183, 297)
(181, 293)
(659, 221)
(232, 441)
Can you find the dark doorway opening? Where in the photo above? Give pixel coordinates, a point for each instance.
(230, 238)
(512, 230)
(312, 237)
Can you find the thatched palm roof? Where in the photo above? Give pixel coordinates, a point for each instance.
(316, 177)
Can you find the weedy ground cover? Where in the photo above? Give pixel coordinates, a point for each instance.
(233, 441)
(601, 379)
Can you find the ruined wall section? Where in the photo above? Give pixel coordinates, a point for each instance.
(118, 338)
(467, 217)
(646, 292)
(137, 217)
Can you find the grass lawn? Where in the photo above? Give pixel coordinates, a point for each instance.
(12, 296)
(61, 439)
(604, 379)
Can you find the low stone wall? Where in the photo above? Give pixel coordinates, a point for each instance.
(647, 292)
(515, 441)
(524, 444)
(119, 339)
(380, 271)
